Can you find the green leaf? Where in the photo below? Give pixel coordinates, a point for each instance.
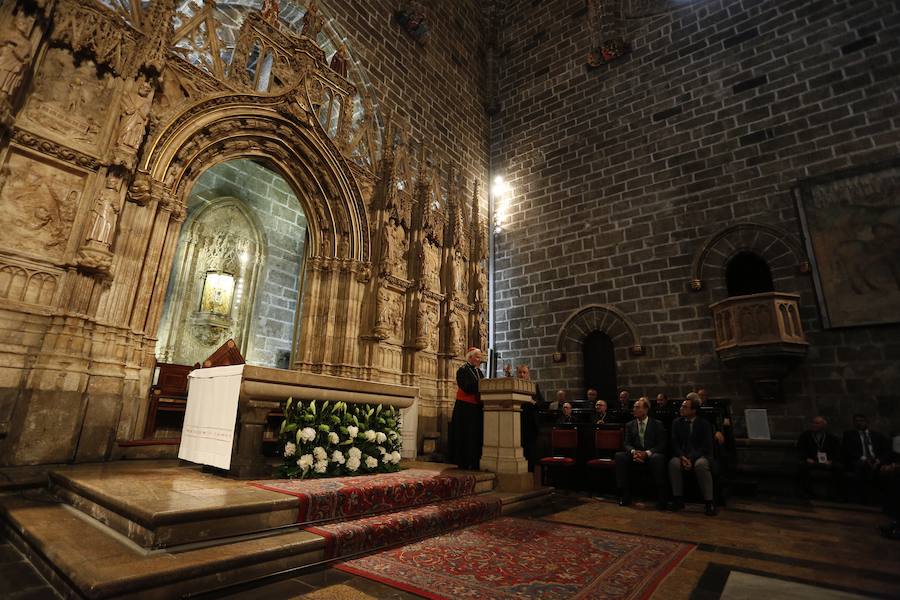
(312, 406)
(291, 427)
(378, 410)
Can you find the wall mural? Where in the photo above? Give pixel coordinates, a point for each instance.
(852, 228)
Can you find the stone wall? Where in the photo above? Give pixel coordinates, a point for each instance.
(619, 174)
(284, 225)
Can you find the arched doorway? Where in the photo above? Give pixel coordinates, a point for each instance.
(238, 268)
(748, 273)
(599, 359)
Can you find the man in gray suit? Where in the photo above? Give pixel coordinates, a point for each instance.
(645, 446)
(692, 450)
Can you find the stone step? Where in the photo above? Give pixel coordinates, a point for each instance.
(82, 557)
(158, 504)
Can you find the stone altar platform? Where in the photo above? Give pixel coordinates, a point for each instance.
(158, 529)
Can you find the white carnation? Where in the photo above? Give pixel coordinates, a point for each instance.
(352, 431)
(371, 462)
(338, 457)
(354, 452)
(319, 453)
(321, 466)
(290, 449)
(307, 434)
(381, 450)
(352, 463)
(380, 438)
(395, 457)
(370, 435)
(305, 462)
(333, 438)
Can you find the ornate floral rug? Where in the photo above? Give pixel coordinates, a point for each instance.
(519, 558)
(346, 538)
(346, 497)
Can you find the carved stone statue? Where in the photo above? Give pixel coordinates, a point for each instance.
(340, 61)
(383, 316)
(394, 248)
(270, 11)
(105, 213)
(141, 189)
(15, 53)
(312, 21)
(457, 336)
(481, 286)
(132, 123)
(426, 324)
(431, 267)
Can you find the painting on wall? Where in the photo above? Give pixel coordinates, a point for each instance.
(851, 223)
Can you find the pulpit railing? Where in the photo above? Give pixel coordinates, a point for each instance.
(758, 319)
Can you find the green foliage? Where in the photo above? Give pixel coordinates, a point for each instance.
(311, 433)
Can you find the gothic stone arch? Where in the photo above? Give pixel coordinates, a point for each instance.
(597, 317)
(777, 247)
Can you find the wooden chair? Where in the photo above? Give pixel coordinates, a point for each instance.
(564, 443)
(606, 443)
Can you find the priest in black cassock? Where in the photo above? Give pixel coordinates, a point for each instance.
(468, 424)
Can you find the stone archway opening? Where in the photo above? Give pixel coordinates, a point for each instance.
(238, 269)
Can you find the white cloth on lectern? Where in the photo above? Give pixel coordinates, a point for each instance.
(210, 416)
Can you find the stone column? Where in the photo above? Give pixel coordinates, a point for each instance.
(501, 452)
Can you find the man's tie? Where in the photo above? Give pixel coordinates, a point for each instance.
(867, 450)
(641, 428)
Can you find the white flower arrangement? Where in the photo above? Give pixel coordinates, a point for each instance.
(290, 449)
(331, 439)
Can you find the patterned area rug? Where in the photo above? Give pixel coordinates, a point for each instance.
(347, 538)
(346, 497)
(518, 558)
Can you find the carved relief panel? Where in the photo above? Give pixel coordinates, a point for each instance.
(388, 315)
(70, 102)
(38, 205)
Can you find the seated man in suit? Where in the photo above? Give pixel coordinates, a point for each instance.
(819, 451)
(566, 418)
(601, 416)
(692, 450)
(866, 452)
(664, 410)
(560, 400)
(645, 445)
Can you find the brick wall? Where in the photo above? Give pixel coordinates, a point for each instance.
(619, 174)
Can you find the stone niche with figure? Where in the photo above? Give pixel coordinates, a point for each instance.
(108, 117)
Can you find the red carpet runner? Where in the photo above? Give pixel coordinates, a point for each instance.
(380, 531)
(324, 500)
(517, 558)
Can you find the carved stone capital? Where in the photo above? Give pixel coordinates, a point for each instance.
(94, 259)
(141, 190)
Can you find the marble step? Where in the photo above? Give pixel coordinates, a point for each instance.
(82, 558)
(160, 505)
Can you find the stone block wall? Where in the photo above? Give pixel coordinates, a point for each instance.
(620, 174)
(279, 212)
(438, 88)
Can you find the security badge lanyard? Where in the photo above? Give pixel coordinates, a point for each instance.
(821, 456)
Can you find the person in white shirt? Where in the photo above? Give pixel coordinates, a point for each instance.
(645, 447)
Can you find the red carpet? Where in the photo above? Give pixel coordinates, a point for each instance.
(347, 538)
(518, 558)
(348, 497)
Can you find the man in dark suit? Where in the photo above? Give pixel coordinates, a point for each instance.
(645, 446)
(819, 451)
(692, 450)
(866, 452)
